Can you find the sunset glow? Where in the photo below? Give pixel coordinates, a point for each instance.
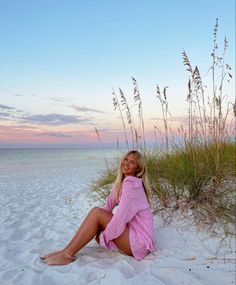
(61, 60)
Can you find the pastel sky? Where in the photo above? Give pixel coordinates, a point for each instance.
(61, 59)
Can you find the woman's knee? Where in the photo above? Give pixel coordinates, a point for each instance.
(96, 211)
(101, 215)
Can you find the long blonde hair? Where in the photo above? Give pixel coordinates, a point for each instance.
(141, 174)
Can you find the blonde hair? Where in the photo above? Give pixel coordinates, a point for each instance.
(142, 173)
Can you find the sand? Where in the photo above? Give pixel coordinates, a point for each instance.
(36, 223)
(44, 196)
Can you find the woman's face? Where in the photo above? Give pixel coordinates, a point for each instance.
(129, 165)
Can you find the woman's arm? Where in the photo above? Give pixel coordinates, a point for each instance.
(108, 206)
(127, 210)
(110, 201)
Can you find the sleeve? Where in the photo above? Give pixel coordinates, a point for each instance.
(110, 201)
(127, 210)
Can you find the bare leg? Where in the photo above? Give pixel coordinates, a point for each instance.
(96, 220)
(73, 239)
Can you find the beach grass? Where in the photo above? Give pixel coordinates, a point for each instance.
(179, 184)
(195, 168)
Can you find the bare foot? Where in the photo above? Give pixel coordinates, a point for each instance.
(60, 259)
(50, 254)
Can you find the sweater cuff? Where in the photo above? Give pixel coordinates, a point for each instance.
(104, 243)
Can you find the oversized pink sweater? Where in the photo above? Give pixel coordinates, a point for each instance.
(134, 211)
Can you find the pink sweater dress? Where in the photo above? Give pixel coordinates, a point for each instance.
(134, 211)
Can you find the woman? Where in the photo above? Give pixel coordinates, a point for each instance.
(130, 228)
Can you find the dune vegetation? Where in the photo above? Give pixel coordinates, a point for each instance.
(193, 171)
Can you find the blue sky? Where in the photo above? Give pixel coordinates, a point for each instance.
(61, 59)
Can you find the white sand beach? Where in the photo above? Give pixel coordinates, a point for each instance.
(41, 206)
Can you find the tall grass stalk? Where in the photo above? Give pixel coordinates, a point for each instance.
(126, 108)
(165, 112)
(137, 99)
(213, 68)
(101, 142)
(137, 134)
(116, 105)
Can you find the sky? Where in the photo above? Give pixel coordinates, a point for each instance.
(60, 61)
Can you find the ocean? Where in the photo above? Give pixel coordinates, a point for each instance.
(62, 168)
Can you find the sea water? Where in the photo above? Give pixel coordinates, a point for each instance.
(60, 167)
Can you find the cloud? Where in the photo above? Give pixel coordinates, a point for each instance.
(55, 119)
(60, 99)
(5, 107)
(25, 127)
(3, 114)
(53, 134)
(6, 112)
(86, 109)
(10, 113)
(20, 117)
